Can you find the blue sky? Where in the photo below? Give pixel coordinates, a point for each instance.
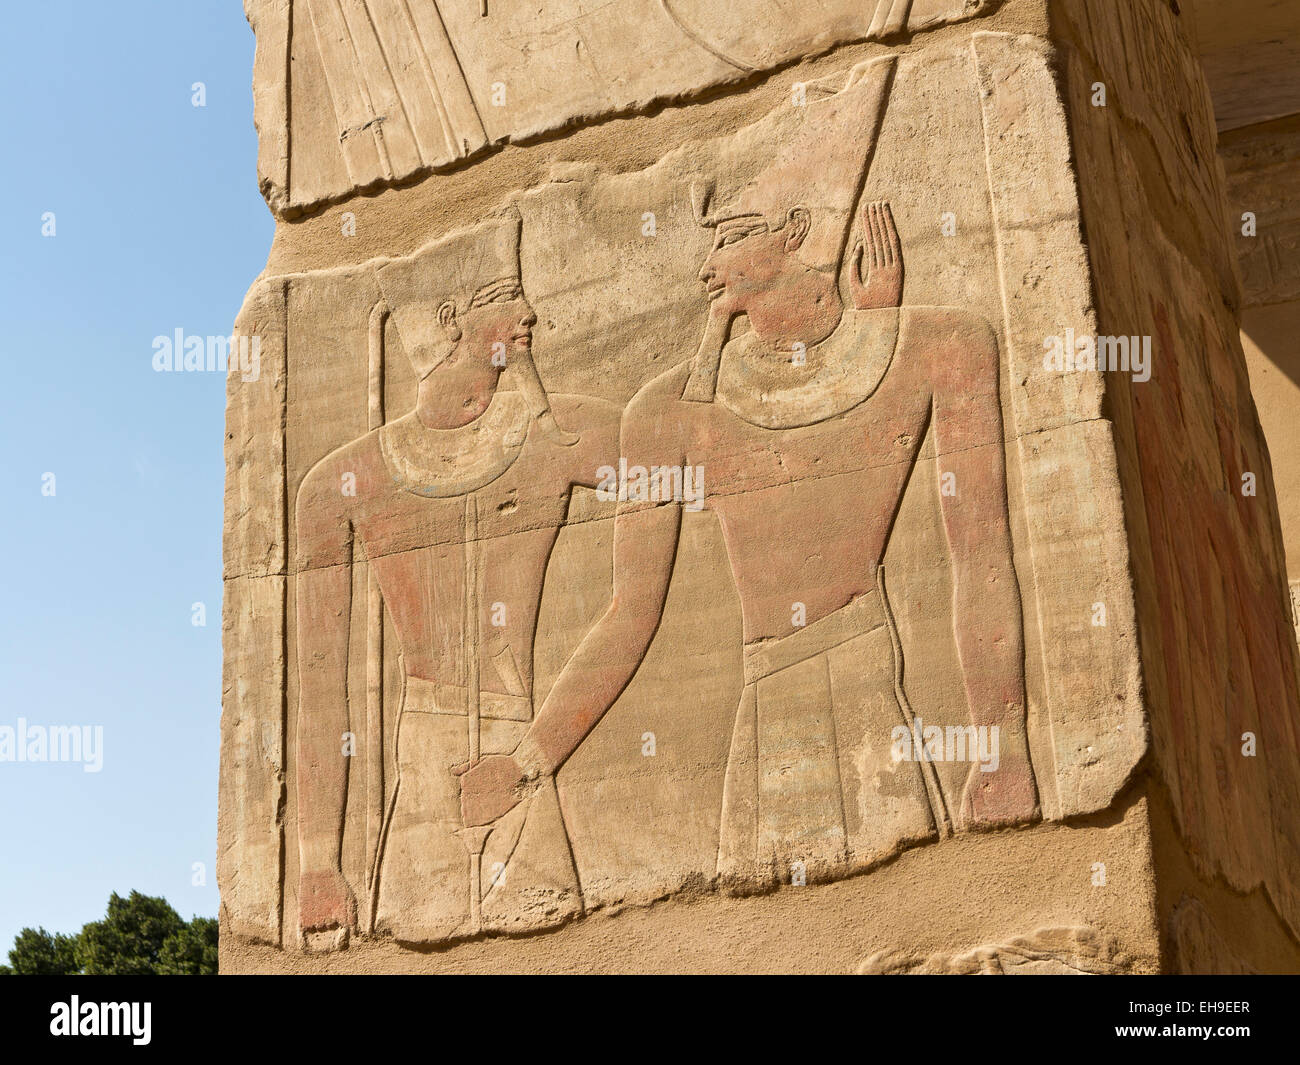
(158, 226)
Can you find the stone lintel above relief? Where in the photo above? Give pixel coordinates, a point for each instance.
(360, 94)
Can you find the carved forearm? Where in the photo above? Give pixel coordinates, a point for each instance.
(607, 659)
(990, 644)
(324, 600)
(591, 682)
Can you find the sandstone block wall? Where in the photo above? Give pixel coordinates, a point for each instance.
(659, 519)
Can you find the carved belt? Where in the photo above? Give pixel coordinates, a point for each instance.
(431, 697)
(765, 657)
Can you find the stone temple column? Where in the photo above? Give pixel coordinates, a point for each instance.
(740, 490)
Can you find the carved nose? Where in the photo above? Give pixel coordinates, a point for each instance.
(706, 273)
(528, 320)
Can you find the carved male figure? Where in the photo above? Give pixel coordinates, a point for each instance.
(808, 427)
(457, 506)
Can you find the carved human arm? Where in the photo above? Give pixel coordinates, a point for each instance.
(645, 548)
(596, 423)
(324, 599)
(987, 616)
(879, 250)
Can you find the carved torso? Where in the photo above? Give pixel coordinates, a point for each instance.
(423, 495)
(806, 508)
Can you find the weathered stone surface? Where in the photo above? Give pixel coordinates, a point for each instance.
(1262, 166)
(704, 518)
(351, 94)
(1198, 946)
(1263, 172)
(1214, 618)
(251, 822)
(968, 889)
(1250, 50)
(1044, 952)
(254, 530)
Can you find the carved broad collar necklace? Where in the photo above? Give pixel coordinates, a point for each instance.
(441, 463)
(831, 377)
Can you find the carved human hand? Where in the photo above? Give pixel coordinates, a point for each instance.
(325, 901)
(1005, 796)
(883, 255)
(490, 788)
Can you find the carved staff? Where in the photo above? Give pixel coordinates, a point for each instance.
(374, 639)
(475, 837)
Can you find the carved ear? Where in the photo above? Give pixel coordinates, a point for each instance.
(447, 319)
(798, 220)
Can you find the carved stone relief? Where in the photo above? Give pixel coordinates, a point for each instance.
(738, 553)
(1198, 946)
(357, 93)
(1044, 952)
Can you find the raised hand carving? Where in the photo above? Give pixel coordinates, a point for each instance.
(876, 264)
(817, 409)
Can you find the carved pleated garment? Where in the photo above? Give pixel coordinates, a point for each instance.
(429, 886)
(811, 782)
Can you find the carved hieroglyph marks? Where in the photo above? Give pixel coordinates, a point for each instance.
(1077, 951)
(367, 92)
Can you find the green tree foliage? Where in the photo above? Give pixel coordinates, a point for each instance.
(37, 952)
(139, 936)
(192, 951)
(129, 940)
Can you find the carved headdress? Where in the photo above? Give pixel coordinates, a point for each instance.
(822, 166)
(465, 269)
(452, 270)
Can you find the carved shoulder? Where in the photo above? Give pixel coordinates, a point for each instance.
(585, 414)
(596, 423)
(326, 502)
(657, 422)
(960, 347)
(659, 393)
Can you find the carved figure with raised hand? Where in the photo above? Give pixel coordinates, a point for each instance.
(808, 427)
